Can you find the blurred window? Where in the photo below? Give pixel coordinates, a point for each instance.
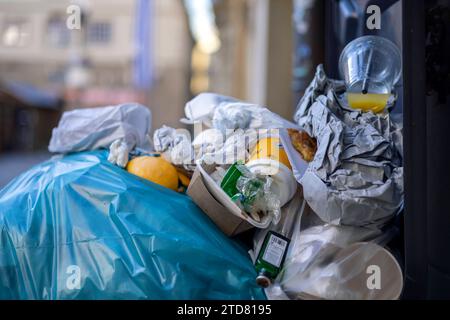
(58, 35)
(99, 33)
(15, 32)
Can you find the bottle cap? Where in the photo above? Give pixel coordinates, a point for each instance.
(263, 279)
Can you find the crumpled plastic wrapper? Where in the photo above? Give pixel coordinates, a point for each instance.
(175, 146)
(201, 108)
(209, 140)
(356, 177)
(241, 115)
(227, 113)
(235, 148)
(119, 153)
(256, 196)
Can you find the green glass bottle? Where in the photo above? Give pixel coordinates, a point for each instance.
(274, 249)
(271, 258)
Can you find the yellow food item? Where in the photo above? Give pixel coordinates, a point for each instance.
(270, 148)
(375, 102)
(156, 169)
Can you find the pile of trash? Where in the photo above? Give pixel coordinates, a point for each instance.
(322, 193)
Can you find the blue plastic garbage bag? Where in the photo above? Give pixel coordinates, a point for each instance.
(77, 227)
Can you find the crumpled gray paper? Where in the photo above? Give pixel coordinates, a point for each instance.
(356, 177)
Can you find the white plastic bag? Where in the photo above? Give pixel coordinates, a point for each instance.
(222, 112)
(96, 128)
(323, 270)
(335, 262)
(242, 115)
(201, 108)
(236, 146)
(208, 141)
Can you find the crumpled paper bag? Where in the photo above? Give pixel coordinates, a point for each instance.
(356, 177)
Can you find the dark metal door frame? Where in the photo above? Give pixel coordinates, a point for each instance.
(415, 142)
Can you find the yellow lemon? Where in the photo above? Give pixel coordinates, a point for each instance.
(156, 169)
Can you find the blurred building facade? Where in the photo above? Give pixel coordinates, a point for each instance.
(37, 47)
(36, 43)
(253, 63)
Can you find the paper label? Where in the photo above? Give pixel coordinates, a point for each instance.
(275, 250)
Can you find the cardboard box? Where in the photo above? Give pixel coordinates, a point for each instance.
(210, 198)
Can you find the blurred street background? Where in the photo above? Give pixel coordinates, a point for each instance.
(159, 53)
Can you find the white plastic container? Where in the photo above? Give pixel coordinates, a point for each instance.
(284, 183)
(220, 195)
